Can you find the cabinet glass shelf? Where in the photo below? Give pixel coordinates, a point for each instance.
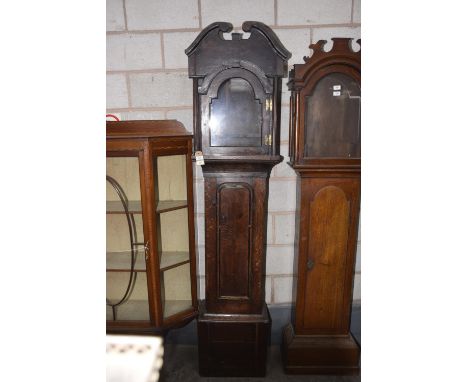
(172, 307)
(120, 261)
(131, 310)
(138, 310)
(134, 206)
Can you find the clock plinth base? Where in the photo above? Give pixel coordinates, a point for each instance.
(319, 354)
(233, 345)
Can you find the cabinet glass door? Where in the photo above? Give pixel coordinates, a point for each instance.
(173, 233)
(126, 282)
(333, 118)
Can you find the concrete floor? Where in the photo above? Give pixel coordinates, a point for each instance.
(181, 365)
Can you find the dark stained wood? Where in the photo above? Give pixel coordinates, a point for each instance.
(146, 140)
(237, 103)
(233, 346)
(260, 61)
(328, 198)
(243, 217)
(234, 231)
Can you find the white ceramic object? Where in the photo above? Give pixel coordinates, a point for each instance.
(133, 358)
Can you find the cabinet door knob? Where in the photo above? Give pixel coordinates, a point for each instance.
(310, 264)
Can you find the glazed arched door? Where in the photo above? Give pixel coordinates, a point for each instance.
(237, 114)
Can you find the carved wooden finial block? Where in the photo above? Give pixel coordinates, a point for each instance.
(341, 52)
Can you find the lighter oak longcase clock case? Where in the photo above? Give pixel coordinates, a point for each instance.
(325, 151)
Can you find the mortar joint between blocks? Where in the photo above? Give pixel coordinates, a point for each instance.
(163, 58)
(129, 95)
(124, 6)
(200, 24)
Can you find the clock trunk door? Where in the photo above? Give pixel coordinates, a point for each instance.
(327, 247)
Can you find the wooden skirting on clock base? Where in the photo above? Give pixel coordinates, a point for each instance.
(319, 354)
(233, 345)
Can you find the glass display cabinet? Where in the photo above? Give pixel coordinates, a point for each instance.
(325, 151)
(237, 98)
(150, 249)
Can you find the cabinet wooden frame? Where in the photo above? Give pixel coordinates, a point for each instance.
(318, 341)
(148, 140)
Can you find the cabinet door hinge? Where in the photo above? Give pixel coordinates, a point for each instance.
(268, 104)
(268, 140)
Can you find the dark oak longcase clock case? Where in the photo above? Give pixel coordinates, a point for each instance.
(150, 254)
(325, 152)
(237, 98)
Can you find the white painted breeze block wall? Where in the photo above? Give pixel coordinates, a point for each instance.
(147, 78)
